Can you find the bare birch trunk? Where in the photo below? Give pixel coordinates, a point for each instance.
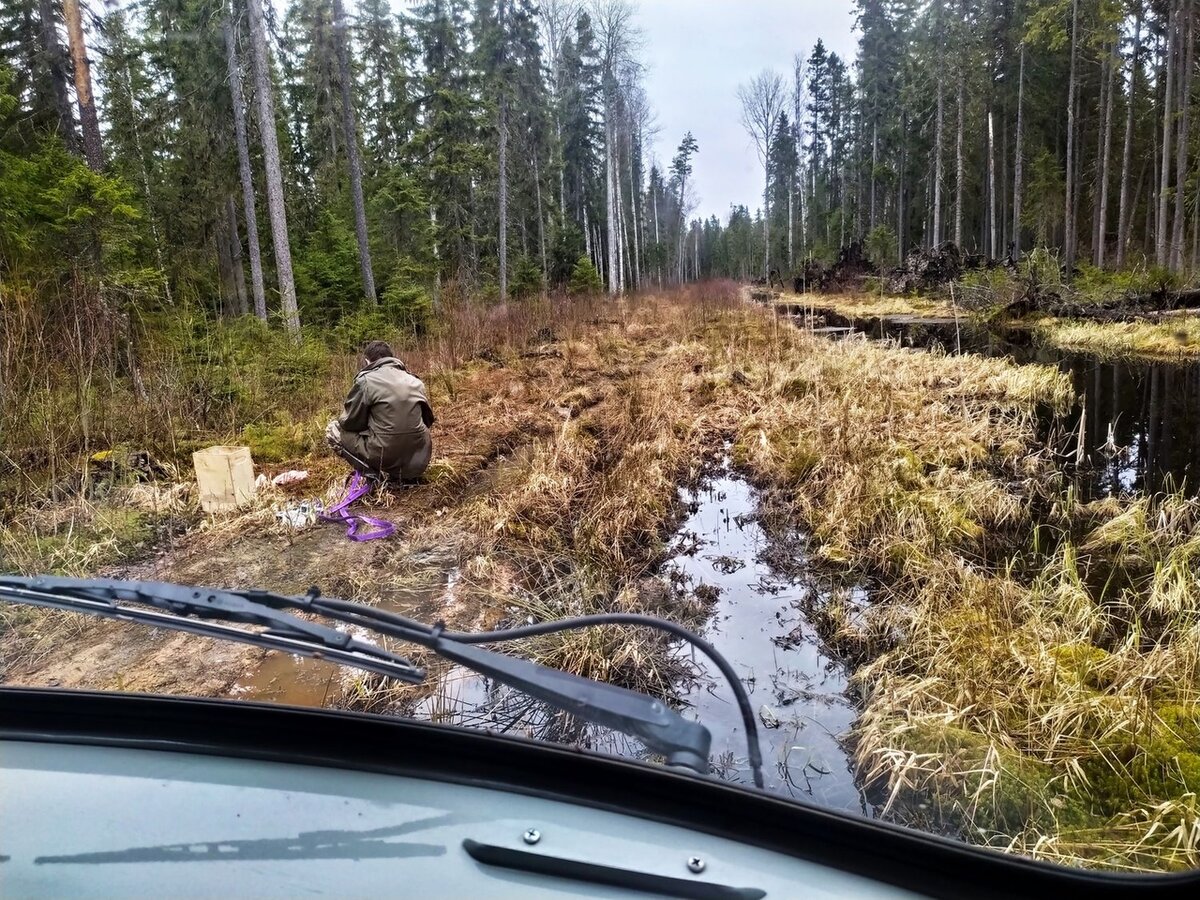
(1181, 154)
(270, 141)
(1125, 213)
(636, 267)
(93, 150)
(244, 172)
(614, 284)
(767, 228)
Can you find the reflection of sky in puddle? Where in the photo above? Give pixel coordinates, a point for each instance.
(757, 624)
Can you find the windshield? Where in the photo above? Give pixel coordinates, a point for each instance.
(857, 337)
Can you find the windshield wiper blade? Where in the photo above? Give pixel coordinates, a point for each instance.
(681, 741)
(194, 609)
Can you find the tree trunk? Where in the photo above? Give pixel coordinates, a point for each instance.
(537, 183)
(1018, 164)
(991, 167)
(959, 160)
(93, 151)
(235, 257)
(220, 237)
(270, 141)
(502, 162)
(1181, 154)
(247, 179)
(56, 61)
(874, 165)
(1125, 213)
(622, 242)
(1101, 235)
(1069, 206)
(350, 133)
(614, 283)
(767, 227)
(937, 161)
(1160, 228)
(682, 224)
(636, 268)
(791, 257)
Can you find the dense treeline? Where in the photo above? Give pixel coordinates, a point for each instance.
(333, 159)
(998, 124)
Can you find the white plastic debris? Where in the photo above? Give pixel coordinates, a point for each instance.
(291, 476)
(300, 515)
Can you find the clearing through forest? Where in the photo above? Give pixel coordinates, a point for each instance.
(893, 539)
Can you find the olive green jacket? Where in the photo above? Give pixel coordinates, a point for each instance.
(387, 420)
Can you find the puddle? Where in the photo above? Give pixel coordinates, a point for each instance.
(797, 690)
(757, 623)
(300, 681)
(1141, 419)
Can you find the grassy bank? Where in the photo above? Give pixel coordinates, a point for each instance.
(866, 305)
(1042, 699)
(1169, 339)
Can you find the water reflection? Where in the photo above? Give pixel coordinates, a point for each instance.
(1139, 418)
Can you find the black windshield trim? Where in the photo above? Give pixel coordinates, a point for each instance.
(920, 862)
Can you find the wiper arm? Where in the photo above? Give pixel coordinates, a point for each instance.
(192, 609)
(681, 741)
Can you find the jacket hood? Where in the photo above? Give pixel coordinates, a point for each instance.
(385, 362)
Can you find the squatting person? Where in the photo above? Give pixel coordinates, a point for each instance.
(384, 431)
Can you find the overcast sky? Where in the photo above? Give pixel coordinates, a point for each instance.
(698, 51)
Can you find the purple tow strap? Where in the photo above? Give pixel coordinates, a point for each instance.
(339, 512)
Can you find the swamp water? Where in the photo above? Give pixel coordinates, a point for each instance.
(1138, 419)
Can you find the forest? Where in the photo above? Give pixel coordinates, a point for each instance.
(1002, 126)
(307, 163)
(498, 149)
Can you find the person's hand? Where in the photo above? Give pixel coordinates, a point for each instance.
(332, 432)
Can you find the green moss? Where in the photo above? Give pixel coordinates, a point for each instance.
(1084, 662)
(1161, 764)
(280, 442)
(801, 460)
(1011, 791)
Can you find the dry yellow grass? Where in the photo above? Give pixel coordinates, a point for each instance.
(1170, 339)
(868, 306)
